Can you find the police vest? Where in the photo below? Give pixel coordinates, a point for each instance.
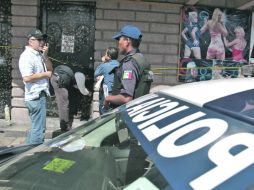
(146, 78)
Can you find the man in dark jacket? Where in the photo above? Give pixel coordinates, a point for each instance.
(64, 81)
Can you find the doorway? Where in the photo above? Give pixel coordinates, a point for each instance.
(70, 27)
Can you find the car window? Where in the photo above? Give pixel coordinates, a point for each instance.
(88, 157)
(239, 105)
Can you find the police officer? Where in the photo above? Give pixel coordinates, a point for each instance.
(131, 80)
(127, 81)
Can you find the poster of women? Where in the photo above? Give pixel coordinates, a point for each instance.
(215, 43)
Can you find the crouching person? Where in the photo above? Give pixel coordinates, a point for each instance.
(64, 81)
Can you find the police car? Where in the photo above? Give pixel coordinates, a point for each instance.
(191, 136)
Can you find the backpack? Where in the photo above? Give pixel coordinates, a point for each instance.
(146, 78)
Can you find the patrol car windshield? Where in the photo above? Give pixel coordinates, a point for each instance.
(92, 156)
(240, 106)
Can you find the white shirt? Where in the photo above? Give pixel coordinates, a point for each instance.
(31, 62)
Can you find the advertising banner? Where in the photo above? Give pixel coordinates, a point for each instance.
(213, 37)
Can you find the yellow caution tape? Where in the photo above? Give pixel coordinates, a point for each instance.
(153, 69)
(184, 68)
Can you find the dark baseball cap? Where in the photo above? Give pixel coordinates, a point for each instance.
(129, 31)
(37, 34)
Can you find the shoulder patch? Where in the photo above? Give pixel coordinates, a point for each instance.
(127, 74)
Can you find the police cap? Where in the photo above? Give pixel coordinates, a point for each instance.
(129, 31)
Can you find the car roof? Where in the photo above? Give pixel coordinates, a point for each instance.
(199, 93)
(197, 134)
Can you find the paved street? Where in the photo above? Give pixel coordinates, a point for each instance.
(14, 134)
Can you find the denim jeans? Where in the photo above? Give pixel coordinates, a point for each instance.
(37, 113)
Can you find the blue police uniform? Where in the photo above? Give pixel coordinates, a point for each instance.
(126, 76)
(129, 79)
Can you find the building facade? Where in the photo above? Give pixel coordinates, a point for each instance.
(159, 23)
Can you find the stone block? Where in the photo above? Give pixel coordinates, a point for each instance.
(163, 49)
(20, 115)
(97, 57)
(17, 83)
(15, 63)
(112, 4)
(20, 31)
(173, 18)
(170, 79)
(16, 74)
(172, 59)
(154, 58)
(96, 64)
(119, 15)
(105, 25)
(17, 92)
(107, 35)
(165, 7)
(18, 102)
(98, 35)
(165, 28)
(99, 14)
(23, 10)
(172, 39)
(19, 41)
(25, 2)
(150, 17)
(137, 6)
(156, 38)
(102, 45)
(24, 21)
(143, 47)
(16, 52)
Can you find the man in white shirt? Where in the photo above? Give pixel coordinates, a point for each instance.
(36, 69)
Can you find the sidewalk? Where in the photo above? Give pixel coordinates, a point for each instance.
(15, 134)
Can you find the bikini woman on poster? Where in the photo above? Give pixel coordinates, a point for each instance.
(216, 29)
(191, 35)
(237, 45)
